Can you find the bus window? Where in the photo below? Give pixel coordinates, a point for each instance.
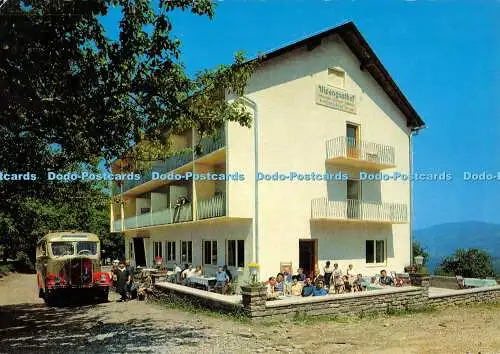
(62, 249)
(86, 247)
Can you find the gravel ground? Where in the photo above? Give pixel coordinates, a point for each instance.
(28, 326)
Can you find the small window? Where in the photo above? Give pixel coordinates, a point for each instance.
(236, 253)
(210, 252)
(375, 251)
(171, 251)
(336, 77)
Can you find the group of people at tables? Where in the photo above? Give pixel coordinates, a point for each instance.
(331, 281)
(223, 276)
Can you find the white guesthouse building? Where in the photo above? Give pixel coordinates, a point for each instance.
(322, 105)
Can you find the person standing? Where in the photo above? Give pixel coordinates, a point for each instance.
(123, 281)
(177, 272)
(131, 270)
(327, 272)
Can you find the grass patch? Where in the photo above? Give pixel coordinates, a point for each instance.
(172, 302)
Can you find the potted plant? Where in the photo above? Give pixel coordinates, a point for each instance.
(254, 285)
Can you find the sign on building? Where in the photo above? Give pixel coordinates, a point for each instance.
(335, 98)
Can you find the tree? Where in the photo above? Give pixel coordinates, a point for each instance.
(471, 263)
(80, 206)
(71, 97)
(419, 250)
(69, 94)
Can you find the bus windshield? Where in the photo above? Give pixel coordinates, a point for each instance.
(62, 249)
(86, 247)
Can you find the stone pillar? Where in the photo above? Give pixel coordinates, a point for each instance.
(425, 283)
(254, 300)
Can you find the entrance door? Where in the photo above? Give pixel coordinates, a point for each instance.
(352, 133)
(308, 257)
(140, 254)
(353, 199)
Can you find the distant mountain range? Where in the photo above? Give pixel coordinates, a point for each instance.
(442, 240)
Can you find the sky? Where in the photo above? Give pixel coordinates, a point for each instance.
(443, 55)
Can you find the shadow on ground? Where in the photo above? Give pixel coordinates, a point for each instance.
(37, 328)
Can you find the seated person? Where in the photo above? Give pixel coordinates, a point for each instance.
(318, 277)
(300, 275)
(145, 286)
(319, 289)
(187, 272)
(296, 287)
(271, 288)
(221, 281)
(385, 279)
(348, 286)
(287, 277)
(198, 271)
(358, 283)
(307, 289)
(374, 281)
(279, 287)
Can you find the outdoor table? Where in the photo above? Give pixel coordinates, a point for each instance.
(479, 283)
(151, 270)
(206, 282)
(161, 275)
(369, 286)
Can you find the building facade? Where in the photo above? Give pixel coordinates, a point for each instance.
(304, 182)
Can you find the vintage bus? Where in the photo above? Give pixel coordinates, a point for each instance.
(69, 261)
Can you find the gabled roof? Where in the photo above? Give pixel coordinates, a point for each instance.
(369, 62)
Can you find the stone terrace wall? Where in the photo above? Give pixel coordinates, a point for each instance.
(352, 304)
(253, 301)
(202, 298)
(464, 297)
(342, 305)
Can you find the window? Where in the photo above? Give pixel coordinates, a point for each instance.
(336, 77)
(210, 252)
(158, 251)
(187, 251)
(86, 247)
(235, 251)
(62, 249)
(375, 251)
(171, 251)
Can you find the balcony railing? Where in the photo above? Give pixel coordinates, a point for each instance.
(117, 225)
(211, 208)
(353, 210)
(350, 148)
(169, 165)
(212, 143)
(161, 217)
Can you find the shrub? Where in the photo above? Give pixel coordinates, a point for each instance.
(23, 263)
(471, 263)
